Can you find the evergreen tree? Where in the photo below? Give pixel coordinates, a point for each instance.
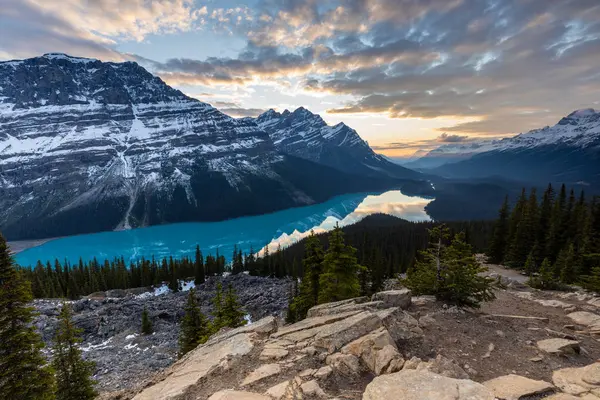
(530, 265)
(73, 374)
(233, 316)
(554, 240)
(544, 222)
(218, 306)
(146, 323)
(339, 279)
(24, 373)
(499, 240)
(524, 236)
(195, 328)
(451, 273)
(516, 216)
(199, 268)
(545, 279)
(566, 265)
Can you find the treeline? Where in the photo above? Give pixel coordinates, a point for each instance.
(555, 239)
(385, 246)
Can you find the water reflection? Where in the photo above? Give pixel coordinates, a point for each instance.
(393, 203)
(283, 227)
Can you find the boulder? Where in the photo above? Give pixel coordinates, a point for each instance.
(346, 364)
(559, 346)
(312, 388)
(577, 381)
(236, 395)
(394, 298)
(513, 387)
(384, 358)
(319, 309)
(424, 385)
(401, 325)
(367, 347)
(262, 372)
(334, 336)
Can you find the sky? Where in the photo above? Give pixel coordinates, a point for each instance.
(408, 75)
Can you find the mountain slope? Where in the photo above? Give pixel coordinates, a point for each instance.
(304, 134)
(566, 152)
(87, 145)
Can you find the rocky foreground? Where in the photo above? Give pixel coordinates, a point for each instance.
(524, 345)
(111, 323)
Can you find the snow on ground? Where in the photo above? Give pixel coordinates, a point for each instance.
(100, 346)
(164, 289)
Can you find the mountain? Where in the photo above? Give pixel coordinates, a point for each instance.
(567, 152)
(306, 135)
(87, 146)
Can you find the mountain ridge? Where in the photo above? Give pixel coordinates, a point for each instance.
(87, 146)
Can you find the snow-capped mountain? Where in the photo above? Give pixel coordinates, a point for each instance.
(87, 145)
(568, 151)
(304, 134)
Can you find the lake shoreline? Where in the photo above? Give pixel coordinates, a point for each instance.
(21, 245)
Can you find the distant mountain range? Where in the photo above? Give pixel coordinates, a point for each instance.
(305, 135)
(568, 152)
(87, 146)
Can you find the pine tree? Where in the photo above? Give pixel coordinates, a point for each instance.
(195, 328)
(545, 279)
(499, 240)
(24, 373)
(451, 273)
(339, 279)
(544, 222)
(554, 240)
(199, 268)
(530, 265)
(308, 293)
(218, 306)
(567, 265)
(233, 316)
(146, 323)
(524, 236)
(73, 374)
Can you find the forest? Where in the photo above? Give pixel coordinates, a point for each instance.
(555, 239)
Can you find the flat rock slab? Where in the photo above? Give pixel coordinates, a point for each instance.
(310, 323)
(263, 326)
(273, 353)
(237, 395)
(577, 381)
(196, 365)
(334, 336)
(318, 310)
(424, 385)
(262, 372)
(369, 306)
(559, 346)
(278, 391)
(394, 298)
(585, 318)
(513, 387)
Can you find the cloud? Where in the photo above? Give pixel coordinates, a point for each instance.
(236, 110)
(512, 65)
(445, 138)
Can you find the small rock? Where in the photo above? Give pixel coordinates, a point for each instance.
(323, 372)
(413, 363)
(427, 321)
(347, 364)
(394, 298)
(500, 334)
(278, 391)
(384, 358)
(307, 372)
(273, 353)
(559, 346)
(536, 359)
(312, 388)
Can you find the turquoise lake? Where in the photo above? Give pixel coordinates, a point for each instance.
(282, 227)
